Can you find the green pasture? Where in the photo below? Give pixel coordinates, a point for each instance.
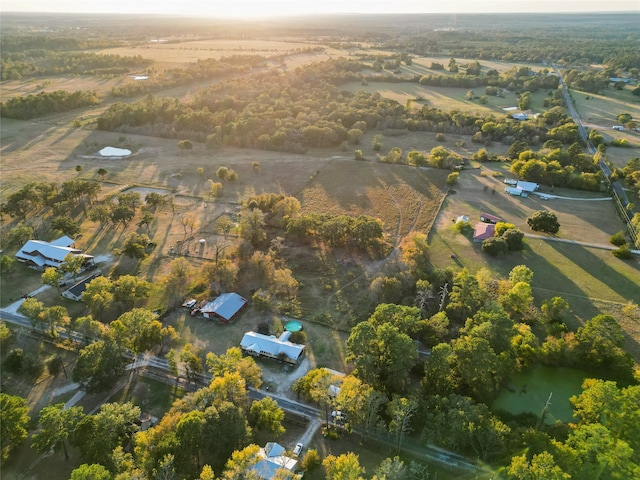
(528, 392)
(445, 98)
(603, 108)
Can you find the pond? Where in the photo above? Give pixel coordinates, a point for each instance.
(114, 152)
(529, 390)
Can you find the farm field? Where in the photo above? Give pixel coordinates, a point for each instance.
(600, 112)
(172, 54)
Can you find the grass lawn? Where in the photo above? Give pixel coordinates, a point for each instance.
(178, 54)
(152, 396)
(592, 280)
(20, 281)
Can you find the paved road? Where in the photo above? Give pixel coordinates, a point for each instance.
(158, 368)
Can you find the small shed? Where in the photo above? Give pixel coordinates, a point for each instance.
(224, 308)
(516, 192)
(483, 231)
(462, 218)
(488, 218)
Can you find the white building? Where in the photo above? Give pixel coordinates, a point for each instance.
(41, 255)
(278, 348)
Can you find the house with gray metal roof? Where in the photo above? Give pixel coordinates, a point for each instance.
(224, 308)
(270, 346)
(40, 255)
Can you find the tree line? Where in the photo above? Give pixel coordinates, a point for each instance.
(33, 63)
(45, 103)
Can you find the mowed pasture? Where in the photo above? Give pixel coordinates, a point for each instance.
(444, 98)
(600, 111)
(174, 54)
(592, 280)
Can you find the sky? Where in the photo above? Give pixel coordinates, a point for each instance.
(267, 8)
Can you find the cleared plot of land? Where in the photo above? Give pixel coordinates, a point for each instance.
(176, 54)
(592, 280)
(599, 112)
(404, 198)
(33, 86)
(603, 108)
(444, 98)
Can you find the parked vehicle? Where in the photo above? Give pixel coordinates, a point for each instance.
(298, 449)
(189, 303)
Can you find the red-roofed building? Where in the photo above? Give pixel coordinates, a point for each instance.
(488, 218)
(483, 231)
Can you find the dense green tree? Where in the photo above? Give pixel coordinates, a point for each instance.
(494, 246)
(14, 422)
(99, 365)
(458, 423)
(66, 225)
(135, 245)
(599, 345)
(95, 471)
(233, 361)
(343, 467)
(98, 435)
(382, 355)
(440, 376)
(56, 424)
(267, 416)
(98, 295)
(466, 297)
(130, 289)
(480, 369)
(138, 330)
(100, 214)
(543, 221)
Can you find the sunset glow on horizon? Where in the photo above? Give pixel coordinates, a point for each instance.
(260, 8)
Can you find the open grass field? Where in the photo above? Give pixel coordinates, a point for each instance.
(600, 111)
(592, 280)
(177, 54)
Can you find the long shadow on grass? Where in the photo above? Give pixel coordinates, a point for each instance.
(548, 280)
(596, 267)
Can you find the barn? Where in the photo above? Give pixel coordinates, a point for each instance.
(224, 308)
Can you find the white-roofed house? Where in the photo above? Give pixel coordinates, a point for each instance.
(40, 255)
(273, 461)
(270, 346)
(224, 308)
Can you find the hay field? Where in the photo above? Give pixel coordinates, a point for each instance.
(445, 98)
(177, 54)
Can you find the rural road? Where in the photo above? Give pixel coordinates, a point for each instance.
(141, 362)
